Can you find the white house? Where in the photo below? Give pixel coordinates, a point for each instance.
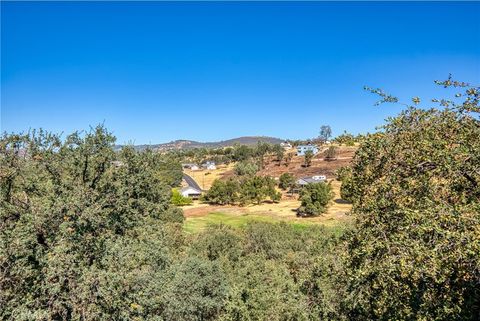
(209, 165)
(193, 167)
(302, 149)
(286, 145)
(309, 180)
(191, 192)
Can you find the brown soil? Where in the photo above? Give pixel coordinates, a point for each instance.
(296, 167)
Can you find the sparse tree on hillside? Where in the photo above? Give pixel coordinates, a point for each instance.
(325, 133)
(286, 181)
(261, 150)
(308, 158)
(331, 153)
(288, 158)
(246, 168)
(279, 153)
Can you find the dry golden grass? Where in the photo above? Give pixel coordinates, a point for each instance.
(199, 214)
(205, 178)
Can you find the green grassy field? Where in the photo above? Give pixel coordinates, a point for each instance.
(197, 224)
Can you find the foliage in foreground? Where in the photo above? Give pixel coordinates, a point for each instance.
(414, 253)
(82, 236)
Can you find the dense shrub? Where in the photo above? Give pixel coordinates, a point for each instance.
(315, 198)
(85, 231)
(286, 181)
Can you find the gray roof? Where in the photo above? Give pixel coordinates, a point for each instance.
(310, 180)
(196, 191)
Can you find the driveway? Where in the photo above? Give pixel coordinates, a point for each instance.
(191, 182)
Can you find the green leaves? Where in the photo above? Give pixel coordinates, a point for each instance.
(314, 199)
(415, 191)
(70, 210)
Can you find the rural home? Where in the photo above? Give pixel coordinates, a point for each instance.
(309, 180)
(302, 149)
(209, 165)
(191, 192)
(193, 167)
(304, 181)
(286, 145)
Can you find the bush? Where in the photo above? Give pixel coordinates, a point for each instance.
(258, 188)
(308, 158)
(331, 153)
(287, 181)
(315, 198)
(178, 199)
(345, 139)
(85, 231)
(222, 192)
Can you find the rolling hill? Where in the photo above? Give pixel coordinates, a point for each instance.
(187, 144)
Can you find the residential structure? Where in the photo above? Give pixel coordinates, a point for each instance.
(286, 145)
(191, 192)
(309, 180)
(193, 167)
(209, 165)
(302, 149)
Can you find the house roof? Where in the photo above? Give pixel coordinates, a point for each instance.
(307, 146)
(310, 180)
(190, 190)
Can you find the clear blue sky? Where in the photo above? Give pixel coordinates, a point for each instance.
(154, 72)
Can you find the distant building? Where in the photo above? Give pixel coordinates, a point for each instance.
(309, 180)
(191, 192)
(302, 149)
(209, 165)
(286, 145)
(193, 167)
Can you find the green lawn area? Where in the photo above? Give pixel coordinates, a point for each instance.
(197, 224)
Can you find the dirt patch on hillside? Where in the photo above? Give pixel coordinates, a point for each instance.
(319, 166)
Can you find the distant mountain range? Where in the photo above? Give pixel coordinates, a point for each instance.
(188, 144)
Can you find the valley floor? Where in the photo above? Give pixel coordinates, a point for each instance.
(199, 215)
